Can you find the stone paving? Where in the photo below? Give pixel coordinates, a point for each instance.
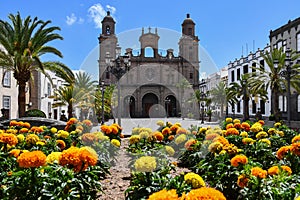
(129, 123)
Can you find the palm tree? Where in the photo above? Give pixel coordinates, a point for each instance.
(271, 78)
(219, 97)
(245, 91)
(24, 42)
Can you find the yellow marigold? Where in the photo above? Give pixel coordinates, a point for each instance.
(261, 134)
(63, 134)
(222, 140)
(89, 138)
(215, 147)
(189, 143)
(61, 144)
(194, 179)
(135, 131)
(12, 131)
(36, 129)
(160, 123)
(248, 140)
(202, 130)
(41, 143)
(164, 195)
(114, 129)
(106, 129)
(246, 126)
(280, 133)
(72, 121)
(272, 131)
(32, 159)
(230, 125)
(242, 181)
(266, 141)
(158, 135)
(115, 142)
(53, 130)
(144, 135)
(204, 193)
(296, 139)
(15, 152)
(166, 131)
(32, 139)
(211, 136)
(275, 170)
(181, 131)
(244, 134)
(236, 121)
(170, 150)
(145, 164)
(231, 149)
(53, 157)
(180, 139)
(256, 127)
(259, 172)
(134, 139)
(277, 124)
(23, 130)
(295, 148)
(282, 151)
(228, 120)
(238, 159)
(149, 130)
(9, 138)
(21, 137)
(232, 131)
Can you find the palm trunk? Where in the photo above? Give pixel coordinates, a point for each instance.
(70, 111)
(22, 98)
(275, 110)
(246, 108)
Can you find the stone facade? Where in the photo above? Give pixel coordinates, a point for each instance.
(150, 81)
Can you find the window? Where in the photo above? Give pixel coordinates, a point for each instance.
(191, 75)
(298, 42)
(238, 76)
(262, 107)
(190, 31)
(48, 89)
(245, 69)
(280, 103)
(253, 107)
(107, 74)
(253, 67)
(6, 79)
(232, 76)
(279, 44)
(6, 102)
(107, 30)
(262, 64)
(284, 104)
(284, 46)
(238, 109)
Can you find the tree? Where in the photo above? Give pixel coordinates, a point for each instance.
(108, 98)
(264, 79)
(24, 42)
(219, 97)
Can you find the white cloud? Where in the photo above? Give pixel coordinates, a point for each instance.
(71, 19)
(97, 13)
(80, 20)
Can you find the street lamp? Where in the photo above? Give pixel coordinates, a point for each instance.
(287, 73)
(167, 101)
(118, 67)
(202, 98)
(102, 88)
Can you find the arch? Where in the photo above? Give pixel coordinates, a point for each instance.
(129, 106)
(148, 101)
(170, 106)
(149, 52)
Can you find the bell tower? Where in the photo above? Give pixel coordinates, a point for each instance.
(108, 42)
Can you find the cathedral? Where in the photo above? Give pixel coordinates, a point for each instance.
(156, 85)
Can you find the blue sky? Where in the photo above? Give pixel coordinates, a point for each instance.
(224, 28)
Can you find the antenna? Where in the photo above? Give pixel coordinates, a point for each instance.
(253, 45)
(246, 49)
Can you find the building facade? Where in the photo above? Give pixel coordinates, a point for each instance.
(156, 85)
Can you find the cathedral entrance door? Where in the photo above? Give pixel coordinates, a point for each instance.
(148, 101)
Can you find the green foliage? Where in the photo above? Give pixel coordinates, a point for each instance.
(35, 113)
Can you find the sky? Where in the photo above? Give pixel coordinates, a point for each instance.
(226, 29)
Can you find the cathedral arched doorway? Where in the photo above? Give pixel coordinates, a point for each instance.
(129, 106)
(148, 101)
(170, 106)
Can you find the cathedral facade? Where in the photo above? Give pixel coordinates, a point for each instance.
(155, 86)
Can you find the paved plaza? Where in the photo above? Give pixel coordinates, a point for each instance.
(129, 123)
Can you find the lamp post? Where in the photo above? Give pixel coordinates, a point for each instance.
(118, 68)
(167, 101)
(287, 73)
(102, 88)
(202, 95)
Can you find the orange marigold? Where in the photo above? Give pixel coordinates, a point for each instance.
(181, 131)
(211, 136)
(72, 121)
(13, 123)
(296, 139)
(164, 195)
(23, 130)
(238, 159)
(166, 131)
(295, 148)
(158, 135)
(246, 126)
(36, 129)
(189, 143)
(87, 122)
(275, 170)
(171, 137)
(222, 140)
(114, 129)
(230, 125)
(204, 193)
(9, 138)
(174, 128)
(89, 138)
(242, 180)
(237, 125)
(282, 151)
(232, 131)
(106, 129)
(262, 122)
(259, 172)
(26, 125)
(32, 159)
(61, 144)
(15, 152)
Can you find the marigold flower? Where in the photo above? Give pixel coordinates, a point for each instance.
(204, 193)
(72, 121)
(36, 129)
(189, 143)
(89, 138)
(53, 157)
(296, 139)
(272, 131)
(53, 130)
(144, 134)
(115, 142)
(244, 134)
(181, 131)
(211, 136)
(32, 139)
(23, 130)
(194, 179)
(246, 126)
(202, 130)
(170, 150)
(171, 137)
(236, 121)
(9, 138)
(277, 124)
(256, 127)
(134, 139)
(180, 139)
(88, 157)
(215, 147)
(275, 170)
(13, 123)
(12, 131)
(41, 143)
(262, 122)
(114, 129)
(222, 140)
(32, 159)
(282, 151)
(228, 120)
(295, 148)
(280, 133)
(61, 144)
(164, 195)
(238, 159)
(230, 125)
(261, 134)
(248, 140)
(166, 131)
(15, 152)
(160, 123)
(259, 172)
(87, 122)
(232, 131)
(145, 164)
(158, 135)
(63, 134)
(237, 125)
(106, 129)
(266, 141)
(242, 181)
